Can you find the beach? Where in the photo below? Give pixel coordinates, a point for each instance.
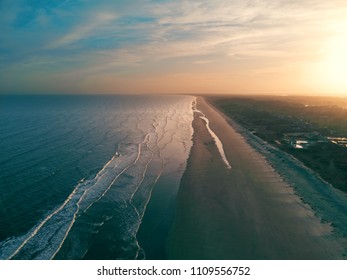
(247, 211)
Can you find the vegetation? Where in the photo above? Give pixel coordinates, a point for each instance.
(274, 118)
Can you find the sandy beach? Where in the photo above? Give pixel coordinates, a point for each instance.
(246, 212)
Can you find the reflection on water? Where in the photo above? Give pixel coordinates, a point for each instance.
(78, 171)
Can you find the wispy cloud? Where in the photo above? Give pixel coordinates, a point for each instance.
(89, 39)
(84, 30)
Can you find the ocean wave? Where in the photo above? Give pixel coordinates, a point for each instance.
(155, 141)
(58, 223)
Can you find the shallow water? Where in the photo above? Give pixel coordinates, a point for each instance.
(217, 141)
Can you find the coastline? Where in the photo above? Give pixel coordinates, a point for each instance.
(246, 212)
(328, 203)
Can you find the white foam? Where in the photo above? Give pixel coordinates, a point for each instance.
(36, 230)
(67, 212)
(214, 136)
(150, 150)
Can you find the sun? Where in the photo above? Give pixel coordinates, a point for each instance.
(336, 62)
(333, 66)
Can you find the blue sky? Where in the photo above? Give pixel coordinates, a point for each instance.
(172, 46)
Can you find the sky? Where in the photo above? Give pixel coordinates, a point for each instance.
(173, 46)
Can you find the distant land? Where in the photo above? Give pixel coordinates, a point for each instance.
(313, 129)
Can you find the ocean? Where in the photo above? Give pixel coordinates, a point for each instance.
(90, 177)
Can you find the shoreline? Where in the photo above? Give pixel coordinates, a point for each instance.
(246, 212)
(327, 202)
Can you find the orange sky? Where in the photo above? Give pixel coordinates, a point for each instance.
(168, 46)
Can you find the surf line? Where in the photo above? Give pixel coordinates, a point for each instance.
(133, 205)
(219, 143)
(36, 230)
(119, 174)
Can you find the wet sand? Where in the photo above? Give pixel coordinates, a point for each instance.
(246, 212)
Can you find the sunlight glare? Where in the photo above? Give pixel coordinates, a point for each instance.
(334, 66)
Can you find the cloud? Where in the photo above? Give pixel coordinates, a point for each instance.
(88, 39)
(84, 30)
